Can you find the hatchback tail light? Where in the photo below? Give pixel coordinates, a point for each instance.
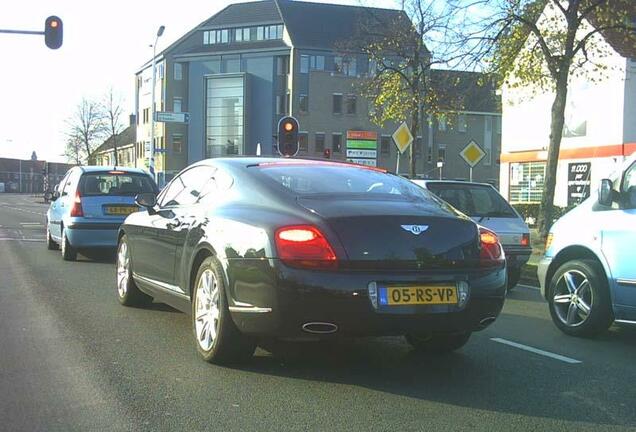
(76, 210)
(304, 246)
(491, 253)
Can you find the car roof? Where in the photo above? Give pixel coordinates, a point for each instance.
(99, 168)
(459, 182)
(244, 162)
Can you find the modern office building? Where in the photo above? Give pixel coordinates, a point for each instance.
(237, 73)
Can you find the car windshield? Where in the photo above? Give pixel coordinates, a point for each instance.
(111, 183)
(340, 180)
(473, 200)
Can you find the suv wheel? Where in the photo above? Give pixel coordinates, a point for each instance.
(437, 343)
(68, 252)
(217, 338)
(579, 298)
(128, 293)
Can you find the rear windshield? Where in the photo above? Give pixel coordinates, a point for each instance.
(334, 180)
(473, 200)
(110, 183)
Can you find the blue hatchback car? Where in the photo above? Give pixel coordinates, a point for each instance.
(90, 204)
(588, 274)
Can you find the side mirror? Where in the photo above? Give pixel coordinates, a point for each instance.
(49, 196)
(147, 200)
(605, 193)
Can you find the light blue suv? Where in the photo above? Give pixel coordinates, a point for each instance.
(588, 274)
(90, 204)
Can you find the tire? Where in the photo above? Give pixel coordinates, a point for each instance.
(579, 299)
(217, 338)
(127, 291)
(69, 253)
(50, 243)
(438, 343)
(514, 274)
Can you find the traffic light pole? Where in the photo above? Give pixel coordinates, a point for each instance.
(27, 32)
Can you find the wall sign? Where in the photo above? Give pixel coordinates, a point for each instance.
(579, 182)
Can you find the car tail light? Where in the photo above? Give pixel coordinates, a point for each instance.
(491, 252)
(304, 246)
(548, 241)
(76, 210)
(525, 239)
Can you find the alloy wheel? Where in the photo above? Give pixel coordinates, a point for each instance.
(123, 269)
(207, 311)
(573, 298)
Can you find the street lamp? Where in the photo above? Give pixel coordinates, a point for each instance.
(151, 163)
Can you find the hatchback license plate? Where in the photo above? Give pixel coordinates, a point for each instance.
(418, 295)
(120, 210)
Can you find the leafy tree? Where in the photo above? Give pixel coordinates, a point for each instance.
(542, 45)
(399, 85)
(74, 150)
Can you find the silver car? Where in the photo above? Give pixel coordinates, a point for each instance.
(483, 203)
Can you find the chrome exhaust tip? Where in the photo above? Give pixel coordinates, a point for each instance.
(486, 322)
(317, 327)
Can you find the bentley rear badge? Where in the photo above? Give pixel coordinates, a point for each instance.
(415, 229)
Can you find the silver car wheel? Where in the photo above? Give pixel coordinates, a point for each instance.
(123, 270)
(573, 298)
(206, 318)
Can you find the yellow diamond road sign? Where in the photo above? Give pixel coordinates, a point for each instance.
(402, 137)
(472, 153)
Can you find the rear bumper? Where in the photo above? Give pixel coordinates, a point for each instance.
(295, 297)
(542, 271)
(517, 256)
(92, 235)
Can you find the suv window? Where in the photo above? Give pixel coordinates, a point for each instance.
(71, 182)
(473, 200)
(628, 188)
(185, 188)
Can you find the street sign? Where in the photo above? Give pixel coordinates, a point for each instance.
(472, 153)
(160, 150)
(147, 149)
(171, 117)
(362, 147)
(402, 137)
(579, 182)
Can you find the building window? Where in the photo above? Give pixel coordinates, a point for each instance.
(461, 123)
(526, 182)
(319, 142)
(303, 104)
(282, 65)
(211, 37)
(177, 143)
(177, 104)
(242, 34)
(282, 104)
(259, 33)
(337, 103)
(317, 62)
(269, 32)
(302, 142)
(304, 64)
(351, 104)
(345, 65)
(224, 116)
(178, 71)
(385, 144)
(441, 153)
(336, 142)
(498, 124)
(441, 124)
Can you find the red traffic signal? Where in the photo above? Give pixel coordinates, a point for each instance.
(288, 136)
(327, 153)
(53, 32)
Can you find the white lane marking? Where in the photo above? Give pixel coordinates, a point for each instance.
(536, 351)
(31, 223)
(20, 239)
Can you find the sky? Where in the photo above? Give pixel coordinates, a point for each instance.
(105, 42)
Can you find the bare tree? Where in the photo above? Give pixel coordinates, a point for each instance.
(87, 125)
(112, 109)
(74, 151)
(541, 45)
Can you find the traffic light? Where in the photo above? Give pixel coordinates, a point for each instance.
(53, 32)
(288, 136)
(327, 153)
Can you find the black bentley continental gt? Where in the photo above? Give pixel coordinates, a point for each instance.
(257, 248)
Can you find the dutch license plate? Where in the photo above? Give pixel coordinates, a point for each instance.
(418, 295)
(120, 210)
